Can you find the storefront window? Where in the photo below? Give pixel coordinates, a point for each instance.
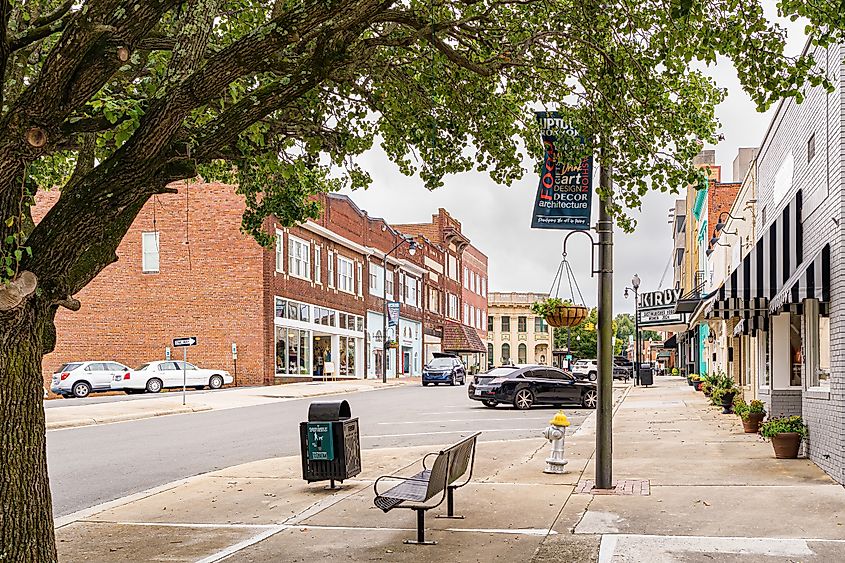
(795, 351)
(348, 356)
(763, 363)
(824, 352)
(293, 351)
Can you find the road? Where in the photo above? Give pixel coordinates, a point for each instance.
(95, 464)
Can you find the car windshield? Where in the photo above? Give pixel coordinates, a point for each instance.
(143, 367)
(440, 363)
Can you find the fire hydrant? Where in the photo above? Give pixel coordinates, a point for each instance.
(556, 434)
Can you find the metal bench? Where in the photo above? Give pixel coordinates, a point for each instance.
(414, 492)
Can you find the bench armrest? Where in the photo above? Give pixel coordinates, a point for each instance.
(428, 456)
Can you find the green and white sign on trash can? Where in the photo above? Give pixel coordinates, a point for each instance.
(320, 441)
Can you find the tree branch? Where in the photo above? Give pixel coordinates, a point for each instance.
(44, 26)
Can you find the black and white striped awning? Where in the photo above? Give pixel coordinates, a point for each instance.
(765, 269)
(811, 280)
(751, 325)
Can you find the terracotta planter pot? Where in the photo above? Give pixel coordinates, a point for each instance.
(567, 315)
(786, 445)
(752, 425)
(697, 385)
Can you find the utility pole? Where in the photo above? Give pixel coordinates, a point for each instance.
(604, 408)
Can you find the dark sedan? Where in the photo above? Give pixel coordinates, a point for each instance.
(526, 386)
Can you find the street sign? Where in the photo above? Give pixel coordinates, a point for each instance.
(187, 341)
(234, 351)
(320, 441)
(167, 353)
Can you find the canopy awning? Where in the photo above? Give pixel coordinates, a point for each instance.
(747, 290)
(461, 338)
(671, 342)
(811, 280)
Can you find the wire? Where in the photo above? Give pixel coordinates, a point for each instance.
(666, 269)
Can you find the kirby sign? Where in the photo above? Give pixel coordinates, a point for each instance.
(565, 193)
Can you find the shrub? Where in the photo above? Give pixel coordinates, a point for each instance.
(783, 424)
(757, 406)
(740, 407)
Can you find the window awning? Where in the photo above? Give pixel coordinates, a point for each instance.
(811, 280)
(671, 342)
(748, 289)
(461, 338)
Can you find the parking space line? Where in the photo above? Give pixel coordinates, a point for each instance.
(545, 418)
(532, 429)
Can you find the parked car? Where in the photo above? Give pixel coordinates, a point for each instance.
(586, 369)
(532, 385)
(444, 368)
(80, 379)
(152, 377)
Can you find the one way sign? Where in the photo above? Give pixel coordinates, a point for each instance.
(189, 341)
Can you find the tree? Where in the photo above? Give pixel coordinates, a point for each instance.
(112, 100)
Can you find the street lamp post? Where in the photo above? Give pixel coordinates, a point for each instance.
(412, 249)
(635, 283)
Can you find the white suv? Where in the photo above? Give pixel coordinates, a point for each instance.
(80, 379)
(586, 369)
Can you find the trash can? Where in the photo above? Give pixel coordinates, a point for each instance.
(646, 374)
(330, 443)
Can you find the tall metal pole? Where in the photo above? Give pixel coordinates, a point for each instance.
(637, 333)
(604, 410)
(184, 372)
(384, 323)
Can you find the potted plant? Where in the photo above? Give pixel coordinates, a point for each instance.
(558, 312)
(726, 398)
(706, 387)
(786, 434)
(696, 381)
(752, 415)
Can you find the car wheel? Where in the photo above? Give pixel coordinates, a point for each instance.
(81, 390)
(490, 404)
(216, 382)
(464, 380)
(452, 381)
(523, 399)
(592, 376)
(153, 385)
(589, 399)
(425, 383)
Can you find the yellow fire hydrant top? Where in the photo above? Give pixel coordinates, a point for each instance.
(559, 419)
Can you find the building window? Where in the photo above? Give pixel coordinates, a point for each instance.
(489, 356)
(817, 344)
(466, 278)
(360, 279)
(452, 267)
(484, 287)
(506, 353)
(345, 281)
(811, 147)
(506, 324)
(348, 354)
(390, 284)
(466, 314)
(293, 351)
(478, 319)
(490, 323)
(540, 325)
(453, 306)
(764, 348)
(331, 268)
(317, 263)
(433, 300)
(299, 258)
(149, 252)
(280, 252)
(410, 291)
(522, 354)
(373, 275)
(521, 324)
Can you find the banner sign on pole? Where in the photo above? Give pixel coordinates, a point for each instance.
(565, 193)
(392, 313)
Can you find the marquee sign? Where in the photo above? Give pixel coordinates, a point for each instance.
(658, 308)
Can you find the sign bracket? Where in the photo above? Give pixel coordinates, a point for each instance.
(593, 246)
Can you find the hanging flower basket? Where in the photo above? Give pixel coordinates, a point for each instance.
(559, 313)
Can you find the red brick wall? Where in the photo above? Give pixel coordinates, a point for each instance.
(212, 292)
(476, 261)
(720, 199)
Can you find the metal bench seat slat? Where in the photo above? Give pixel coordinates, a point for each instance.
(409, 490)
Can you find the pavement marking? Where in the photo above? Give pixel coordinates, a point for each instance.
(660, 549)
(188, 525)
(232, 549)
(532, 429)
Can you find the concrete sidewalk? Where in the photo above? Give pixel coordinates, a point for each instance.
(693, 488)
(168, 403)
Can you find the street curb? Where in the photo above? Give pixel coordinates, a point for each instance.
(85, 421)
(59, 425)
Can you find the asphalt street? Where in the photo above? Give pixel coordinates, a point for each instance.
(100, 398)
(95, 464)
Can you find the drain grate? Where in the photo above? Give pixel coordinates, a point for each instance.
(640, 487)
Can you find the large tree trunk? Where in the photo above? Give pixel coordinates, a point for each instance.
(26, 518)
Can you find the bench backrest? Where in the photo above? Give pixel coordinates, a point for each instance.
(450, 464)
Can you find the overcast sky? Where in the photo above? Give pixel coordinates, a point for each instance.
(496, 218)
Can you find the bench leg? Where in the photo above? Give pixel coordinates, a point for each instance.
(420, 530)
(450, 505)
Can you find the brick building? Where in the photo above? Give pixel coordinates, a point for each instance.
(456, 288)
(312, 307)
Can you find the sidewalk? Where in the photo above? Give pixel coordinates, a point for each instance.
(697, 489)
(74, 415)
